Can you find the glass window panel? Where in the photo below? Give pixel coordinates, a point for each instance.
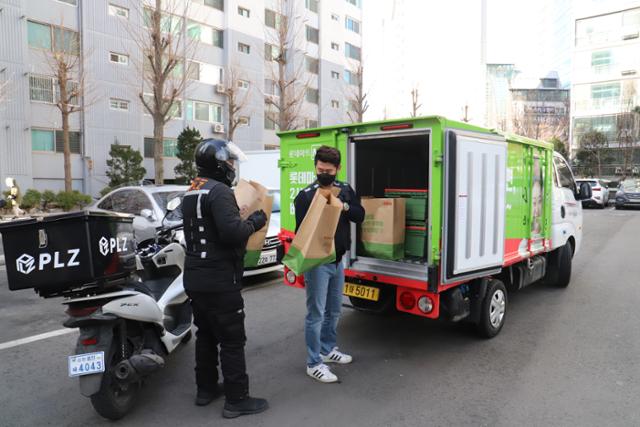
(39, 35)
(170, 148)
(218, 38)
(148, 147)
(74, 142)
(41, 88)
(202, 111)
(42, 140)
(216, 113)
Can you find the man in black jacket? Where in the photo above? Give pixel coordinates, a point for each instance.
(324, 284)
(216, 239)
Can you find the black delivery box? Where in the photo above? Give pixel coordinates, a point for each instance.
(57, 253)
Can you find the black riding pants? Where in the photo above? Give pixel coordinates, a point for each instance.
(220, 321)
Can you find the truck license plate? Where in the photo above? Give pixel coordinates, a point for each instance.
(85, 364)
(360, 291)
(268, 257)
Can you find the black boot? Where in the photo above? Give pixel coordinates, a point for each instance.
(245, 406)
(204, 397)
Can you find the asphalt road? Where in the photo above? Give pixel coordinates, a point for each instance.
(564, 358)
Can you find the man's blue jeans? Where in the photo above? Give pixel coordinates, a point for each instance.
(324, 286)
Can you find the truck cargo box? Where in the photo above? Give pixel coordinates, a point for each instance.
(57, 253)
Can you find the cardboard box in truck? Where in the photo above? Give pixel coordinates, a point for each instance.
(502, 211)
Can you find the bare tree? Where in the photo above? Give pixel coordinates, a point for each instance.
(237, 98)
(357, 97)
(285, 68)
(64, 62)
(167, 46)
(4, 89)
(415, 102)
(628, 128)
(537, 117)
(591, 153)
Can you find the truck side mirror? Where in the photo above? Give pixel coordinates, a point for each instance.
(585, 192)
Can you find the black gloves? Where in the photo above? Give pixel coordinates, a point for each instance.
(258, 219)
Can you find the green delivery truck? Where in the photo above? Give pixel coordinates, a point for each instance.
(486, 212)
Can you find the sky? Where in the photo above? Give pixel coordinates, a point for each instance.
(436, 46)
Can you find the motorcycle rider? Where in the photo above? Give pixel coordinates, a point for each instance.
(216, 239)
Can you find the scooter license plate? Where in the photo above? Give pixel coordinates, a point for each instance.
(86, 364)
(268, 257)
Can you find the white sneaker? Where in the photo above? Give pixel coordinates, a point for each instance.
(322, 373)
(337, 357)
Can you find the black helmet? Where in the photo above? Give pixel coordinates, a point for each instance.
(215, 158)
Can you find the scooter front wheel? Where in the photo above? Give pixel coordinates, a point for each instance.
(115, 398)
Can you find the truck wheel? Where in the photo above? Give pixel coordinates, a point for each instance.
(493, 309)
(559, 268)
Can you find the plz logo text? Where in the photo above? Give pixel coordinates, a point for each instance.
(111, 245)
(26, 264)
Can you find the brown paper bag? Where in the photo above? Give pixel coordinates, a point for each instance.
(249, 196)
(313, 244)
(383, 229)
(256, 240)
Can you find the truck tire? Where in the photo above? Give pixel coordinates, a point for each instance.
(493, 309)
(559, 268)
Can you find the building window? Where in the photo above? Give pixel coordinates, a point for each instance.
(352, 25)
(351, 77)
(53, 141)
(357, 3)
(335, 46)
(243, 84)
(58, 39)
(244, 121)
(335, 17)
(244, 48)
(601, 61)
(605, 91)
(119, 58)
(335, 75)
(244, 12)
(271, 88)
(119, 11)
(168, 23)
(205, 34)
(169, 147)
(119, 104)
(310, 123)
(312, 5)
(352, 51)
(273, 19)
(313, 35)
(216, 4)
(335, 103)
(312, 64)
(312, 96)
(71, 2)
(204, 73)
(204, 111)
(271, 52)
(41, 89)
(175, 112)
(148, 148)
(270, 120)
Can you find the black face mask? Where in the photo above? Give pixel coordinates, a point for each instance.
(326, 179)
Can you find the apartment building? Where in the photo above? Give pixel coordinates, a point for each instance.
(606, 77)
(229, 33)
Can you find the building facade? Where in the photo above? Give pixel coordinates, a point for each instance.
(500, 78)
(539, 108)
(229, 34)
(605, 86)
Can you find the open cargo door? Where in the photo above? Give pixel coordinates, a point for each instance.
(474, 208)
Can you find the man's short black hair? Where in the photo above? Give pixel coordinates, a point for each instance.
(328, 155)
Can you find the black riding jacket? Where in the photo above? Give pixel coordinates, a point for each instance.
(354, 214)
(216, 237)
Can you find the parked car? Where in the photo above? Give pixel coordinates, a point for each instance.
(148, 204)
(599, 191)
(628, 194)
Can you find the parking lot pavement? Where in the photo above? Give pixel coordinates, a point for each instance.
(564, 358)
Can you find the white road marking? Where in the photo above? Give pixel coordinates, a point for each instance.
(27, 340)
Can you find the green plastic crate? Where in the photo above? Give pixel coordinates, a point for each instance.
(415, 240)
(416, 202)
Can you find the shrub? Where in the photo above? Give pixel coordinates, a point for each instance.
(31, 199)
(48, 198)
(69, 200)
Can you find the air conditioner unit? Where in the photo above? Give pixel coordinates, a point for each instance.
(630, 36)
(628, 72)
(618, 171)
(220, 89)
(218, 128)
(635, 171)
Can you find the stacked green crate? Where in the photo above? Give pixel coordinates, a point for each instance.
(416, 216)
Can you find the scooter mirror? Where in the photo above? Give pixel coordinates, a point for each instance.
(174, 204)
